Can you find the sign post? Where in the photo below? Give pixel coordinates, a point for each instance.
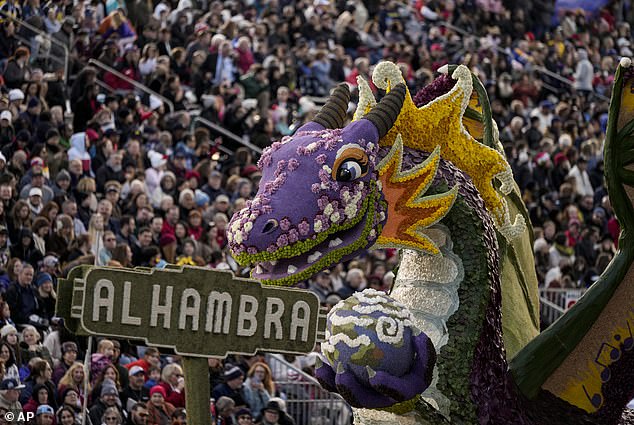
(199, 313)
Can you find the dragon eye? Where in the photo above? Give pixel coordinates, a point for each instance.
(350, 170)
(350, 164)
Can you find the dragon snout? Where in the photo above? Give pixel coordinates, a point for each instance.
(270, 226)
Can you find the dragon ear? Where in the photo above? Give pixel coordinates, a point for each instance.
(333, 113)
(385, 113)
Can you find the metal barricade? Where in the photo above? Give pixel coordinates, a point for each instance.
(306, 401)
(141, 87)
(36, 31)
(218, 129)
(556, 301)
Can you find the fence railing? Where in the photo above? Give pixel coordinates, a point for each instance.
(537, 68)
(306, 401)
(65, 60)
(226, 133)
(556, 301)
(141, 87)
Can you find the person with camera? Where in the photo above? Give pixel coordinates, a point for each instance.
(258, 388)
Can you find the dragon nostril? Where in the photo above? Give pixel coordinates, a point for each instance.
(270, 226)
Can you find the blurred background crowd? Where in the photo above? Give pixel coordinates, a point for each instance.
(130, 132)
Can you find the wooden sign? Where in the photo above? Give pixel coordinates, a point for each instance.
(197, 312)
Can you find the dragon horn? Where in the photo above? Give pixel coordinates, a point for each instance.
(333, 113)
(384, 114)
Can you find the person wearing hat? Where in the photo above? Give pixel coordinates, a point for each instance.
(232, 387)
(62, 186)
(109, 397)
(159, 410)
(35, 200)
(135, 391)
(9, 396)
(222, 204)
(44, 415)
(213, 187)
(166, 187)
(112, 190)
(37, 180)
(7, 132)
(17, 68)
(321, 285)
(244, 416)
(69, 356)
(271, 413)
(579, 172)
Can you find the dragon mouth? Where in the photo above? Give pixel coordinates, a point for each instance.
(336, 248)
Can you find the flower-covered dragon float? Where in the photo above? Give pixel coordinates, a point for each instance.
(456, 341)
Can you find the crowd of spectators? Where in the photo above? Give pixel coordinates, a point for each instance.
(95, 171)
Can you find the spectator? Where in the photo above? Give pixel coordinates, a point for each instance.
(8, 359)
(40, 376)
(258, 387)
(135, 392)
(173, 382)
(32, 348)
(159, 410)
(109, 397)
(9, 396)
(232, 387)
(151, 357)
(109, 373)
(66, 416)
(45, 415)
(225, 406)
(22, 298)
(138, 415)
(73, 379)
(69, 356)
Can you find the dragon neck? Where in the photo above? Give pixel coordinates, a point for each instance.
(470, 369)
(585, 361)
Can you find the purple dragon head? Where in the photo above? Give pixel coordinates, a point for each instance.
(318, 202)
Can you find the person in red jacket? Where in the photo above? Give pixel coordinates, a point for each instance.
(173, 382)
(151, 357)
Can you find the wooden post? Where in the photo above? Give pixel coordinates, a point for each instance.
(197, 392)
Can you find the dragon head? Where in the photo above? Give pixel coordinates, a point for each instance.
(320, 200)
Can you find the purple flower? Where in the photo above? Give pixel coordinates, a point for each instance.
(315, 187)
(303, 227)
(321, 159)
(272, 248)
(293, 164)
(285, 224)
(282, 241)
(252, 250)
(293, 236)
(265, 160)
(280, 167)
(322, 202)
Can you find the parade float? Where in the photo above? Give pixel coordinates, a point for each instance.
(456, 340)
